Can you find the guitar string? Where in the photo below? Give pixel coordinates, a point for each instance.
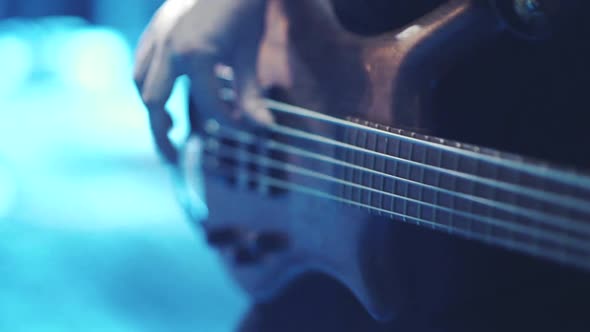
(583, 181)
(549, 197)
(547, 218)
(556, 175)
(578, 180)
(557, 254)
(259, 160)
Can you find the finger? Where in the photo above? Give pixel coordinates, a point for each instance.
(143, 57)
(159, 80)
(252, 106)
(160, 124)
(250, 99)
(155, 91)
(140, 72)
(206, 87)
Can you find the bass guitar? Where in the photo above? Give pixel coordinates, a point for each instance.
(403, 163)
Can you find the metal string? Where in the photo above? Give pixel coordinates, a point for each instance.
(557, 175)
(541, 171)
(227, 152)
(559, 254)
(569, 178)
(570, 202)
(546, 218)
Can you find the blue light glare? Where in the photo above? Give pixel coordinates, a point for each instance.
(96, 59)
(8, 189)
(91, 235)
(16, 63)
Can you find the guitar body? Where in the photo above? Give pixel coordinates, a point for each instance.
(275, 214)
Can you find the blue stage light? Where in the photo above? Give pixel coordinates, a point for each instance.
(96, 59)
(8, 189)
(16, 63)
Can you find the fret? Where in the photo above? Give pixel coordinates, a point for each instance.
(382, 144)
(455, 165)
(406, 189)
(512, 198)
(488, 171)
(521, 201)
(562, 250)
(538, 205)
(360, 161)
(383, 181)
(465, 188)
(339, 171)
(390, 183)
(395, 171)
(273, 154)
(438, 185)
(501, 214)
(493, 197)
(345, 157)
(419, 212)
(371, 145)
(351, 155)
(471, 191)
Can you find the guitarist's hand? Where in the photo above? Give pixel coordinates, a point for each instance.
(190, 37)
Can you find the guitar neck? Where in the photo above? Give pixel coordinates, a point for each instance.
(477, 193)
(473, 192)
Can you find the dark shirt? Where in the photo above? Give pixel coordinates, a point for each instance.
(375, 16)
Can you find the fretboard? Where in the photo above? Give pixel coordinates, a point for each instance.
(477, 193)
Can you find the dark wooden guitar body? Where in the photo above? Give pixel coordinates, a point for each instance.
(455, 72)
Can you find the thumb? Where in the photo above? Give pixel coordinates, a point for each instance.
(161, 123)
(249, 96)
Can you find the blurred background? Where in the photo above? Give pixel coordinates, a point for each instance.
(91, 235)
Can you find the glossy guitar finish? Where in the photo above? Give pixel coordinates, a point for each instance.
(285, 200)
